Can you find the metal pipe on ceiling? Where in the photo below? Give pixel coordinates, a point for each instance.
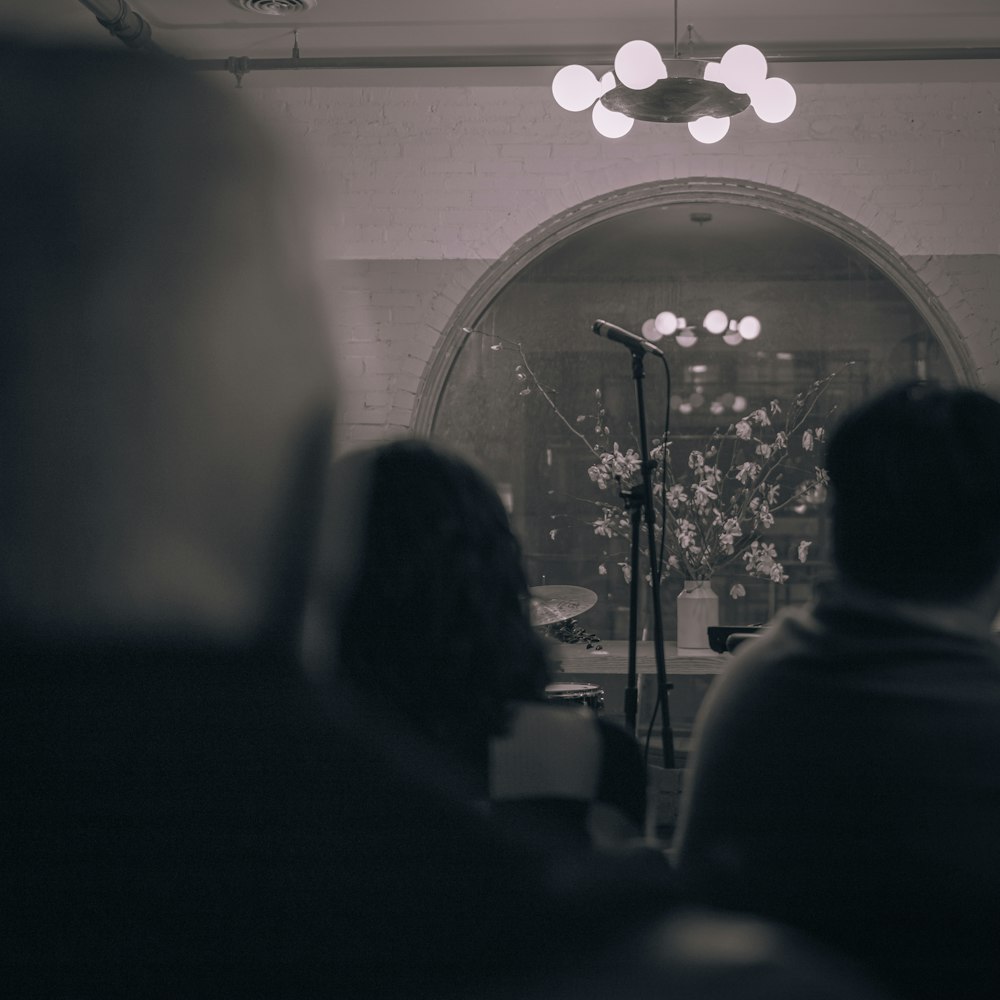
(560, 57)
(123, 22)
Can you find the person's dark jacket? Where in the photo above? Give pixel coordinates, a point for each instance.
(846, 781)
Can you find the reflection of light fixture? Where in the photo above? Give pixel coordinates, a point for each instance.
(666, 324)
(701, 93)
(716, 322)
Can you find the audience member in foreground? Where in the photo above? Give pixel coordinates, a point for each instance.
(433, 635)
(847, 768)
(434, 628)
(166, 404)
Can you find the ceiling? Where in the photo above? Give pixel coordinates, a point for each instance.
(481, 42)
(465, 42)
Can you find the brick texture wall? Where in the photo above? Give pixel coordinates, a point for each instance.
(423, 188)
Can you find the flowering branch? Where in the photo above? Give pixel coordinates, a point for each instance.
(724, 497)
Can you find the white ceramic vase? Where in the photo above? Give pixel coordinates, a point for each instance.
(697, 608)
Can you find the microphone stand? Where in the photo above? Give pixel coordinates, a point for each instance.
(638, 501)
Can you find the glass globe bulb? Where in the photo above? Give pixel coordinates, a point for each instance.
(707, 129)
(608, 82)
(611, 124)
(713, 72)
(743, 67)
(773, 100)
(732, 338)
(666, 323)
(575, 88)
(749, 327)
(715, 321)
(687, 338)
(639, 65)
(739, 404)
(649, 330)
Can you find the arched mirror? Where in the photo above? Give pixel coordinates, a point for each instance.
(754, 306)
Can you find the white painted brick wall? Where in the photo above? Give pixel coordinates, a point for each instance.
(426, 186)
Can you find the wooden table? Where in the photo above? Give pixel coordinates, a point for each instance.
(690, 674)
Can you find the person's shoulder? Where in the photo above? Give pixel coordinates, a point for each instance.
(791, 635)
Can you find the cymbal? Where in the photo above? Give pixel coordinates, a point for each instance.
(555, 604)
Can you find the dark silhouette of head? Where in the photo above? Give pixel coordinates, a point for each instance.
(165, 389)
(434, 624)
(915, 474)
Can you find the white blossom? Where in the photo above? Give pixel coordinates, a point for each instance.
(676, 496)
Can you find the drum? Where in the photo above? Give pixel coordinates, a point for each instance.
(589, 695)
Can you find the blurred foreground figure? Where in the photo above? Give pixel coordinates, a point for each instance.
(166, 405)
(847, 768)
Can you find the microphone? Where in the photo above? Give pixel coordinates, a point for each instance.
(631, 340)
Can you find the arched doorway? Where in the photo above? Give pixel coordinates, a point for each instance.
(530, 388)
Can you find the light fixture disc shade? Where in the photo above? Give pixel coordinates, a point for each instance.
(708, 129)
(611, 124)
(683, 96)
(666, 323)
(639, 64)
(743, 68)
(575, 88)
(749, 327)
(773, 100)
(715, 321)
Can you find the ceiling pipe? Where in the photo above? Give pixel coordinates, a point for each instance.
(123, 22)
(558, 57)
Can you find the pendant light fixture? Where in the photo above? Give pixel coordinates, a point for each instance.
(706, 95)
